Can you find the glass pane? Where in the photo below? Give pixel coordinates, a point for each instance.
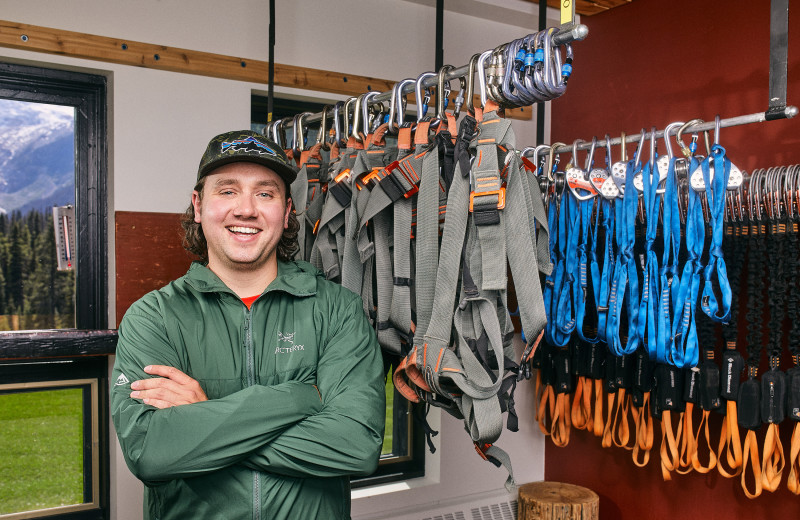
(37, 173)
(41, 449)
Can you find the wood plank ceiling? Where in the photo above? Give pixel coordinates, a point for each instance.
(588, 7)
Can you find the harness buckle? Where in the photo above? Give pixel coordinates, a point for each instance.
(482, 449)
(393, 186)
(374, 175)
(501, 198)
(339, 188)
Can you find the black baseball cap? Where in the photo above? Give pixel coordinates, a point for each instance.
(246, 146)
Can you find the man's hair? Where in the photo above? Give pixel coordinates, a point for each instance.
(194, 240)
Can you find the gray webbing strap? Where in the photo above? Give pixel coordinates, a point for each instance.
(307, 197)
(329, 245)
(352, 271)
(522, 255)
(401, 317)
(427, 239)
(387, 335)
(488, 196)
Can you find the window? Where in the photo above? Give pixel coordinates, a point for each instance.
(53, 309)
(403, 453)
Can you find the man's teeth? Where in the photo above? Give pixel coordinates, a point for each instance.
(245, 230)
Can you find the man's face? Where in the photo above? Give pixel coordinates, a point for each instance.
(243, 212)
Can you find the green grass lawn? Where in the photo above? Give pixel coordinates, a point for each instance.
(41, 452)
(387, 436)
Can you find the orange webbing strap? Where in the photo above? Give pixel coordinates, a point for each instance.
(452, 127)
(379, 137)
(751, 455)
(334, 153)
(772, 462)
(597, 422)
(560, 425)
(355, 144)
(793, 482)
(644, 432)
(669, 444)
(547, 402)
(607, 441)
(421, 136)
(729, 444)
(408, 377)
(313, 152)
(587, 403)
(538, 391)
(687, 441)
(620, 430)
(580, 419)
(712, 456)
(492, 106)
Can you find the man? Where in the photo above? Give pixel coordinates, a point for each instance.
(251, 387)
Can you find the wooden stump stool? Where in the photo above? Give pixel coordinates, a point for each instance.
(557, 501)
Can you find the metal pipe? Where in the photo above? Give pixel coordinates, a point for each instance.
(759, 117)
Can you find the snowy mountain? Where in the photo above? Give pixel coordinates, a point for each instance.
(37, 156)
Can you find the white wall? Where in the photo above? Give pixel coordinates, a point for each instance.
(160, 122)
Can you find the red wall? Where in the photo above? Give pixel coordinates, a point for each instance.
(649, 63)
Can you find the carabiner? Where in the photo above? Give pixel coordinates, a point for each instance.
(357, 119)
(552, 161)
(365, 110)
(422, 103)
(322, 135)
(442, 92)
(470, 94)
(687, 152)
(397, 105)
(638, 155)
(346, 120)
(298, 135)
(482, 76)
(337, 129)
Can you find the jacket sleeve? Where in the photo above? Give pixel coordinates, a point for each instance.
(194, 439)
(346, 435)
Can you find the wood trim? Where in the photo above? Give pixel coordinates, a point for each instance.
(172, 59)
(588, 7)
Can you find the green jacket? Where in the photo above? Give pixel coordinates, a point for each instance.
(266, 445)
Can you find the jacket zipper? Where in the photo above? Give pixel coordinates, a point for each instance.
(251, 380)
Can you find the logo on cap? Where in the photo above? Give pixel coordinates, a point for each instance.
(250, 144)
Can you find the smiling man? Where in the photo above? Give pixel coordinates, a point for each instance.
(251, 387)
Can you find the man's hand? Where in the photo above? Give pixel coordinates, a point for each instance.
(173, 388)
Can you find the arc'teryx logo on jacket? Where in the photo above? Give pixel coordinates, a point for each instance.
(286, 344)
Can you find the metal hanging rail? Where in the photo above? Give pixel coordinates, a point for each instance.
(576, 32)
(758, 117)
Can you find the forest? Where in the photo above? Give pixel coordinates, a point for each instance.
(33, 293)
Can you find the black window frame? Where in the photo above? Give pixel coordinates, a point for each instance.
(64, 354)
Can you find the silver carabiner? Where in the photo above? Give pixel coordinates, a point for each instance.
(337, 129)
(422, 108)
(482, 76)
(397, 105)
(442, 91)
(322, 135)
(470, 94)
(346, 118)
(365, 110)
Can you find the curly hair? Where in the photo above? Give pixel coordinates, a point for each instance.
(194, 240)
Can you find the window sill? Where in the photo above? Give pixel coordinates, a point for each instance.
(61, 343)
